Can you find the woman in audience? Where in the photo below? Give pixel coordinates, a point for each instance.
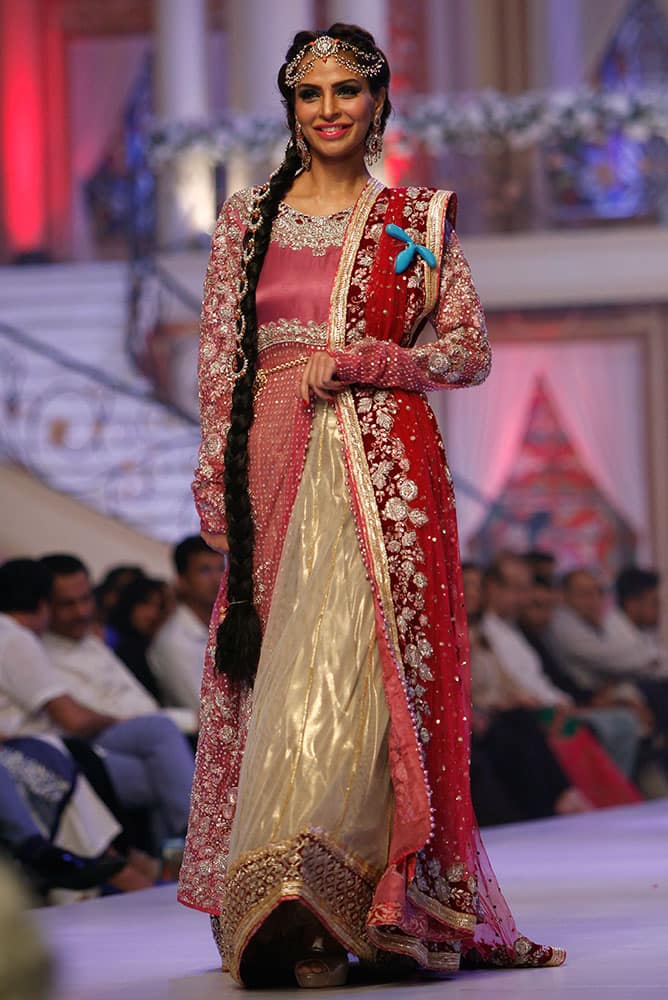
(107, 593)
(140, 610)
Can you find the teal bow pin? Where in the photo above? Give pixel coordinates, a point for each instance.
(405, 257)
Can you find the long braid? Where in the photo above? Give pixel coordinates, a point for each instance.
(239, 635)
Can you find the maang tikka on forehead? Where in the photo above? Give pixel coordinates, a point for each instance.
(366, 64)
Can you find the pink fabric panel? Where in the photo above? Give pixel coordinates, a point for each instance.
(296, 285)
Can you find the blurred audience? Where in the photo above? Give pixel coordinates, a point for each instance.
(176, 655)
(636, 620)
(542, 565)
(506, 590)
(72, 685)
(507, 593)
(597, 648)
(509, 735)
(37, 785)
(89, 680)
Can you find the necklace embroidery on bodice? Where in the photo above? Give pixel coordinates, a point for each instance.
(295, 231)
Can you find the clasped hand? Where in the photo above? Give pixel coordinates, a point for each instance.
(319, 378)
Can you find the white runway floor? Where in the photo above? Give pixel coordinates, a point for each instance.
(597, 884)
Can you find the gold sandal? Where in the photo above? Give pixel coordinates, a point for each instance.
(321, 969)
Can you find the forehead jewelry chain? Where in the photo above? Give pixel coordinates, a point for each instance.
(366, 64)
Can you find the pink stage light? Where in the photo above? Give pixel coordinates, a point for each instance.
(23, 160)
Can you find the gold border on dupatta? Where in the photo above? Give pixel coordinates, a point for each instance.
(444, 914)
(349, 424)
(435, 240)
(436, 216)
(402, 944)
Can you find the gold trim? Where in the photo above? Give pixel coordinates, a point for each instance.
(444, 914)
(402, 944)
(348, 422)
(336, 884)
(352, 437)
(434, 240)
(436, 216)
(558, 958)
(338, 303)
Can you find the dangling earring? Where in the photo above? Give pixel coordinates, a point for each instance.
(302, 148)
(373, 147)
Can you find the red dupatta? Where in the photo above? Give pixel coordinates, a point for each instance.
(438, 896)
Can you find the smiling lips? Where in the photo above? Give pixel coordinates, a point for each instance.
(331, 131)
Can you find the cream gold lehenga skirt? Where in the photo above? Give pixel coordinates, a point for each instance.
(314, 803)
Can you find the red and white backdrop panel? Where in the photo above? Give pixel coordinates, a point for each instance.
(598, 389)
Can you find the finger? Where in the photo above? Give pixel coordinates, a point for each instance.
(304, 388)
(321, 394)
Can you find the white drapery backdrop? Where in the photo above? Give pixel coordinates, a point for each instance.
(598, 389)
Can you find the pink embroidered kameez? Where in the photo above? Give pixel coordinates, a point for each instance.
(342, 780)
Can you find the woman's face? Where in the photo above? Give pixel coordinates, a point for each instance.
(148, 615)
(335, 108)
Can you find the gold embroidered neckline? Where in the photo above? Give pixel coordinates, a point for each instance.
(296, 230)
(308, 215)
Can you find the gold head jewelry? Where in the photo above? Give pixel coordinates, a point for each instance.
(366, 64)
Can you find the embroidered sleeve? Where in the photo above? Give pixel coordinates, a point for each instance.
(459, 356)
(216, 365)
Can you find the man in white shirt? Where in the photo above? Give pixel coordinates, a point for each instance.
(176, 655)
(596, 649)
(507, 587)
(148, 759)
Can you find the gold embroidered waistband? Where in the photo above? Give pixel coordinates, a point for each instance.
(262, 374)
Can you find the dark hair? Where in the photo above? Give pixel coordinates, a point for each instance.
(539, 580)
(536, 556)
(137, 592)
(187, 547)
(568, 578)
(493, 574)
(633, 581)
(469, 565)
(24, 584)
(239, 635)
(112, 577)
(63, 564)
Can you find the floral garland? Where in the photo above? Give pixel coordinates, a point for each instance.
(441, 122)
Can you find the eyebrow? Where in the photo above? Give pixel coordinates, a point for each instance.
(339, 83)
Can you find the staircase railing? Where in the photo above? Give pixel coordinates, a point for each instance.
(111, 445)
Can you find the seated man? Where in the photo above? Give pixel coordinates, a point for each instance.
(148, 759)
(506, 588)
(636, 620)
(509, 748)
(506, 593)
(595, 649)
(176, 655)
(534, 618)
